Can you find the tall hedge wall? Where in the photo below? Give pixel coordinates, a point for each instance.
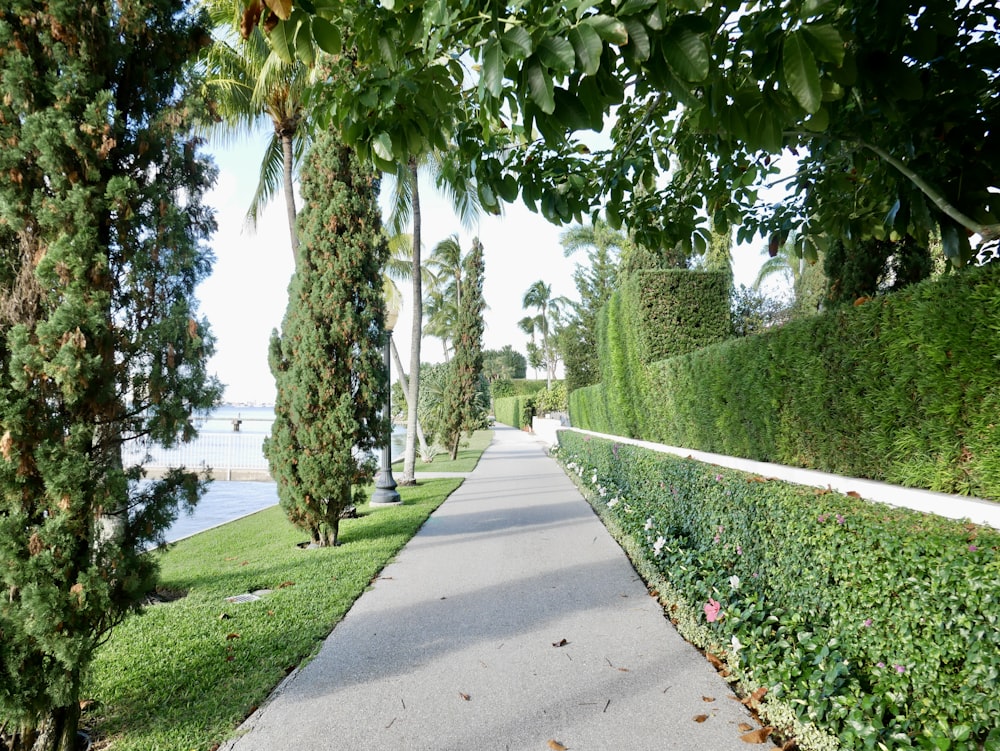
(654, 314)
(509, 410)
(904, 388)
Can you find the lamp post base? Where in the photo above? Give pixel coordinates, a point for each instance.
(385, 489)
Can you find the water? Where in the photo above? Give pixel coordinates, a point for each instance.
(219, 446)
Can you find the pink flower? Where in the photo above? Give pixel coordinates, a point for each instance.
(840, 518)
(973, 548)
(739, 550)
(718, 478)
(900, 669)
(822, 518)
(712, 608)
(880, 664)
(868, 623)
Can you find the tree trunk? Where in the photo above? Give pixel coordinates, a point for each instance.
(406, 393)
(290, 211)
(409, 456)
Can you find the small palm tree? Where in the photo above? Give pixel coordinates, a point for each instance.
(545, 323)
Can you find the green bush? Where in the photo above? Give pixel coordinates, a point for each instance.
(873, 624)
(551, 400)
(509, 410)
(904, 388)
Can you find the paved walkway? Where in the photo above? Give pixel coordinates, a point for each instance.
(455, 645)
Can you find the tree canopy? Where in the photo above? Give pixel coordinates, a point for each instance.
(891, 106)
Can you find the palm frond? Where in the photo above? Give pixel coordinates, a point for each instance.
(269, 182)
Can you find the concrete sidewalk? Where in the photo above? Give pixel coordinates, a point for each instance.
(456, 645)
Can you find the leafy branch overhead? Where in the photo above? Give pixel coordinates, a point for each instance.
(712, 88)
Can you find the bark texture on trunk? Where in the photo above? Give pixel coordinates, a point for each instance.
(409, 456)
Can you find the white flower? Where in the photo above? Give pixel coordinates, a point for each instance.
(613, 502)
(737, 645)
(649, 524)
(602, 491)
(734, 582)
(658, 545)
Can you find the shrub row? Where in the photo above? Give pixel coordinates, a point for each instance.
(872, 624)
(904, 388)
(512, 410)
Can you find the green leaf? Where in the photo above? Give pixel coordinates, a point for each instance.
(570, 112)
(382, 147)
(638, 39)
(327, 36)
(801, 73)
(493, 68)
(631, 7)
(556, 54)
(818, 121)
(283, 41)
(812, 8)
(608, 28)
(304, 48)
(588, 46)
(826, 42)
(955, 244)
(687, 54)
(540, 87)
(516, 42)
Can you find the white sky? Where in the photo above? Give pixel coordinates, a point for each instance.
(245, 297)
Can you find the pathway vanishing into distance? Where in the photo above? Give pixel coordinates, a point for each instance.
(512, 620)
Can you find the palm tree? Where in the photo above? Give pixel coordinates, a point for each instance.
(405, 208)
(397, 268)
(539, 296)
(251, 85)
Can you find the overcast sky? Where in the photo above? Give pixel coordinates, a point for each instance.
(245, 297)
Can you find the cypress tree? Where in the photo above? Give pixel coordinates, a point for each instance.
(327, 361)
(462, 411)
(101, 230)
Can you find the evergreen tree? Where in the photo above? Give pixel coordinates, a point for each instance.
(462, 411)
(327, 362)
(101, 230)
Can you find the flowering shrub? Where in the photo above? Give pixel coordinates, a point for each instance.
(880, 626)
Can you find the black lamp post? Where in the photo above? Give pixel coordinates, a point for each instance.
(385, 486)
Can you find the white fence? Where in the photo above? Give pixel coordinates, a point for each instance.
(224, 456)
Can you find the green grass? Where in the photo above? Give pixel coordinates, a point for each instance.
(183, 674)
(468, 456)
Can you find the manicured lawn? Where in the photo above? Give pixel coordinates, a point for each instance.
(468, 456)
(183, 674)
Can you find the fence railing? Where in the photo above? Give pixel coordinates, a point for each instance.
(222, 456)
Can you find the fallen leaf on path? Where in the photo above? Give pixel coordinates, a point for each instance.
(466, 697)
(557, 746)
(853, 494)
(560, 643)
(759, 735)
(700, 717)
(708, 698)
(745, 727)
(716, 662)
(755, 698)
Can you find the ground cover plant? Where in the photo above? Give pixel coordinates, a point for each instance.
(869, 627)
(184, 673)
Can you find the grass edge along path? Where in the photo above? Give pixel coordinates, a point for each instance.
(466, 461)
(185, 673)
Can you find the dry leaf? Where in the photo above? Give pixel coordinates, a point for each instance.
(745, 727)
(822, 491)
(282, 8)
(700, 717)
(85, 704)
(759, 735)
(560, 643)
(286, 584)
(466, 697)
(556, 746)
(230, 637)
(854, 494)
(716, 662)
(708, 698)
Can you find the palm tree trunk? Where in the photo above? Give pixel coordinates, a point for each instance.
(287, 162)
(410, 453)
(406, 393)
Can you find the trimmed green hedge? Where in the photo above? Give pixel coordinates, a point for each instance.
(511, 410)
(871, 623)
(904, 388)
(656, 313)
